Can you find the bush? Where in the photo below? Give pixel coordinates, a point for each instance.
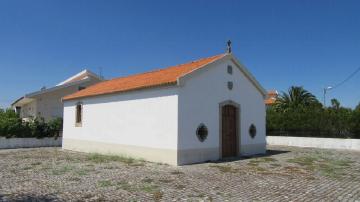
(55, 127)
(314, 121)
(355, 127)
(9, 123)
(11, 126)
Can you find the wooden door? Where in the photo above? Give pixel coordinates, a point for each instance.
(229, 139)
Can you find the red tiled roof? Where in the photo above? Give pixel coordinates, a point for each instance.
(270, 101)
(272, 95)
(167, 76)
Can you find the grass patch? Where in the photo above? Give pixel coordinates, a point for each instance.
(104, 183)
(262, 160)
(100, 158)
(82, 172)
(293, 169)
(36, 163)
(325, 165)
(74, 179)
(256, 161)
(274, 165)
(267, 159)
(149, 188)
(137, 164)
(198, 195)
(27, 168)
(147, 180)
(166, 180)
(176, 172)
(224, 168)
(157, 196)
(180, 186)
(303, 160)
(67, 157)
(334, 169)
(259, 169)
(61, 170)
(253, 163)
(125, 186)
(342, 163)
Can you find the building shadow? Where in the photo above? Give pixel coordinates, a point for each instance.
(28, 198)
(269, 153)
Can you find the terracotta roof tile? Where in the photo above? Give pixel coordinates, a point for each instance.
(270, 101)
(272, 95)
(167, 76)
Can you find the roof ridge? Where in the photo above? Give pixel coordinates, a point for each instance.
(157, 77)
(165, 68)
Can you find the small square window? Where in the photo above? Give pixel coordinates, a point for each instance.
(229, 69)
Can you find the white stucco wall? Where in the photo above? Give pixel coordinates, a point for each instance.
(12, 143)
(199, 99)
(326, 143)
(49, 105)
(141, 124)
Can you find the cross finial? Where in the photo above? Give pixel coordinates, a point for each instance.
(228, 47)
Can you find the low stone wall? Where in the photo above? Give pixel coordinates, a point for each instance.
(326, 143)
(13, 143)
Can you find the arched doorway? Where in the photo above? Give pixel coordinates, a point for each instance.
(229, 131)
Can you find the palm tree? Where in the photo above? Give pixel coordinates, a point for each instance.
(295, 97)
(335, 104)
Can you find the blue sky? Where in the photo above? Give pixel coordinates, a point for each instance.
(309, 43)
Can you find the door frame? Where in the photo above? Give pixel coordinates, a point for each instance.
(238, 121)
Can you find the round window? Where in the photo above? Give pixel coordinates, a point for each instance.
(202, 132)
(252, 130)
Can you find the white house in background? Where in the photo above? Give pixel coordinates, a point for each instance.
(207, 109)
(47, 102)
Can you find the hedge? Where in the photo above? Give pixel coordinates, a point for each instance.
(12, 126)
(314, 121)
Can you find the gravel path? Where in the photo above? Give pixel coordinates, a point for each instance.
(284, 174)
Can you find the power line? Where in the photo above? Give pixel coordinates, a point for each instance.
(347, 79)
(326, 89)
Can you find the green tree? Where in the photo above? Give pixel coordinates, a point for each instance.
(299, 113)
(10, 123)
(355, 122)
(338, 120)
(335, 104)
(295, 97)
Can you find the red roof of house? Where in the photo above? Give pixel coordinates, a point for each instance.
(270, 101)
(166, 76)
(272, 96)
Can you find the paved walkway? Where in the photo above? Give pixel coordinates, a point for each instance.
(285, 174)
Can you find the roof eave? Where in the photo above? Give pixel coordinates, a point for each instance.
(243, 69)
(56, 88)
(118, 92)
(247, 73)
(180, 79)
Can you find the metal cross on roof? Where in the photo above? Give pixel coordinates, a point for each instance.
(229, 46)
